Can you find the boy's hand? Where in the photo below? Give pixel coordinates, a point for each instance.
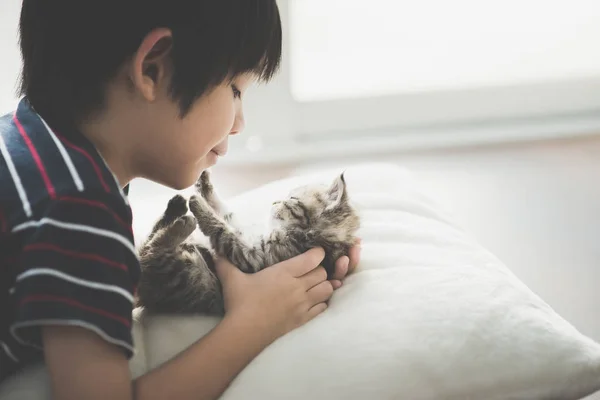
(264, 306)
(280, 298)
(346, 265)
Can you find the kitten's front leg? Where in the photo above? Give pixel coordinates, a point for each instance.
(206, 216)
(172, 236)
(282, 245)
(205, 188)
(226, 241)
(177, 207)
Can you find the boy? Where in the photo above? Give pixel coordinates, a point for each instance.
(116, 90)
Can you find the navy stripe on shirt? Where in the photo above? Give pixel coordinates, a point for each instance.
(67, 253)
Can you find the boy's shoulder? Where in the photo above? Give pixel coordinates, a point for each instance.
(39, 164)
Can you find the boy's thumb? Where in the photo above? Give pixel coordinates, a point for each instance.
(224, 269)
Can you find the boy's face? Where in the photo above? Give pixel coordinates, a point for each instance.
(178, 149)
(160, 145)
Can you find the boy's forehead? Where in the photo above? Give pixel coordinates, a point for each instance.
(247, 78)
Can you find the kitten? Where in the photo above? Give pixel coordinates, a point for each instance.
(178, 274)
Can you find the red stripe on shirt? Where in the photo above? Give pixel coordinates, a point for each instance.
(99, 205)
(90, 159)
(36, 157)
(75, 254)
(73, 303)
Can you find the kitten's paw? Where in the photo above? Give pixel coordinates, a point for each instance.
(177, 206)
(198, 205)
(203, 185)
(184, 226)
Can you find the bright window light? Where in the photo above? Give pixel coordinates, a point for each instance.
(356, 48)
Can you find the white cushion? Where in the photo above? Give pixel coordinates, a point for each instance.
(429, 314)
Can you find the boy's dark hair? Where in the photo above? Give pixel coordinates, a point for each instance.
(71, 49)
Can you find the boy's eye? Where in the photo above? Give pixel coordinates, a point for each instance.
(236, 92)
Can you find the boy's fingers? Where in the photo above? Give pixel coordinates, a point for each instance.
(305, 262)
(341, 268)
(316, 310)
(336, 284)
(354, 254)
(320, 293)
(314, 277)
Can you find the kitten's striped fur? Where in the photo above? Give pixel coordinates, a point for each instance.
(178, 275)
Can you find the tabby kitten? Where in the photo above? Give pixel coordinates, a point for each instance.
(178, 274)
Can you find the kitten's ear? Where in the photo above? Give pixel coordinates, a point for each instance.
(337, 192)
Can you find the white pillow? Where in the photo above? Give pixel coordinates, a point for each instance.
(429, 314)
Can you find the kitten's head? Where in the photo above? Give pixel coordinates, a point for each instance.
(321, 208)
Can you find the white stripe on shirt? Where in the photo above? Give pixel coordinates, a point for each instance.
(8, 352)
(15, 177)
(77, 227)
(77, 281)
(69, 322)
(65, 156)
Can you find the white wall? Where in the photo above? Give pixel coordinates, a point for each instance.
(11, 58)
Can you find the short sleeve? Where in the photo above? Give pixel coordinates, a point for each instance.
(78, 267)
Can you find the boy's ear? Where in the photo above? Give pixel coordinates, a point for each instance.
(149, 67)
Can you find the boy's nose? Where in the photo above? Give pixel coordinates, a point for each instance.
(238, 125)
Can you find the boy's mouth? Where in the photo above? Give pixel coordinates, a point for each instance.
(220, 150)
(217, 152)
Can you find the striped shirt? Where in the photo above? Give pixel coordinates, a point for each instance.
(67, 254)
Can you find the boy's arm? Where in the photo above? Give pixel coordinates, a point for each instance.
(260, 308)
(82, 365)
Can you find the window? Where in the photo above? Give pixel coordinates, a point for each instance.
(353, 48)
(395, 73)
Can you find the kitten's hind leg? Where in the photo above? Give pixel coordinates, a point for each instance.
(205, 188)
(177, 207)
(226, 241)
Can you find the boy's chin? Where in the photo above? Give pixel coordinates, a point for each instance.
(181, 178)
(178, 181)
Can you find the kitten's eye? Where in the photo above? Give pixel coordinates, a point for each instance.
(294, 198)
(237, 94)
